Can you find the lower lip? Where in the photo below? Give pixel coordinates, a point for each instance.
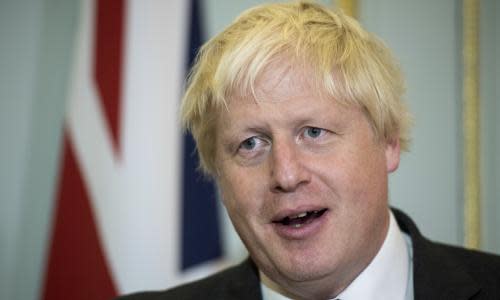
(304, 231)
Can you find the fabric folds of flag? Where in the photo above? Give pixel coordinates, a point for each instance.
(125, 212)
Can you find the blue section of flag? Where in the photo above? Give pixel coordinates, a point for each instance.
(200, 228)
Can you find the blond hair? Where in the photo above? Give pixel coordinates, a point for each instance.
(349, 64)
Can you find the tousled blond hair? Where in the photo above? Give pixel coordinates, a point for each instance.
(349, 64)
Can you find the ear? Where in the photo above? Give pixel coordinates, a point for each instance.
(392, 154)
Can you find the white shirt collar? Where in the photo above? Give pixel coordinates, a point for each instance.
(388, 276)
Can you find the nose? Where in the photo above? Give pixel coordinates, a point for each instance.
(288, 171)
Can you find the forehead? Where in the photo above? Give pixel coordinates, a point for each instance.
(282, 95)
(279, 80)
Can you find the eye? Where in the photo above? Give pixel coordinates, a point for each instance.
(249, 144)
(252, 147)
(313, 132)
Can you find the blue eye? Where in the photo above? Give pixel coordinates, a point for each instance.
(313, 132)
(249, 143)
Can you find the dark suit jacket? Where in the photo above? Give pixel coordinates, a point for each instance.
(439, 272)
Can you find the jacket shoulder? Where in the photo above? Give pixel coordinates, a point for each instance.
(482, 266)
(238, 282)
(480, 271)
(449, 272)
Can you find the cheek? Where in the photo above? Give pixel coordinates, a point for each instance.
(355, 173)
(370, 180)
(228, 194)
(241, 207)
(237, 193)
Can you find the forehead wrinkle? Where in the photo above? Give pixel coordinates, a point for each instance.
(278, 83)
(268, 116)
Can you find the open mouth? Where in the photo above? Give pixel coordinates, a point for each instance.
(301, 219)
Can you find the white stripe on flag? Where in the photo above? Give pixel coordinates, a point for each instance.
(154, 73)
(135, 197)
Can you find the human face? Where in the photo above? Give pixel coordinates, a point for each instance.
(304, 181)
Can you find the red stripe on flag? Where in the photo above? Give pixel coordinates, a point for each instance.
(77, 267)
(108, 53)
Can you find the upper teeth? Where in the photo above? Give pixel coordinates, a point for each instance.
(301, 215)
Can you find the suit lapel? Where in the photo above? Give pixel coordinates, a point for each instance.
(436, 275)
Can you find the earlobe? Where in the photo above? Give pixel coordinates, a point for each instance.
(392, 154)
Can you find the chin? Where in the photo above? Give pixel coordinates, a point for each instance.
(303, 281)
(304, 268)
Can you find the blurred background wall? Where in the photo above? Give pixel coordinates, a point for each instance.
(36, 46)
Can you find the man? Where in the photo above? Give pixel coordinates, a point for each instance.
(298, 117)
